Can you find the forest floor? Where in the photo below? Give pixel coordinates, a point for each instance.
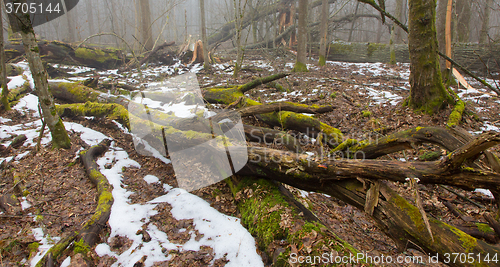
(151, 224)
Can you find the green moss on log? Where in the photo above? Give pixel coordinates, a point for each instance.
(60, 138)
(78, 92)
(95, 54)
(485, 228)
(111, 111)
(257, 214)
(300, 67)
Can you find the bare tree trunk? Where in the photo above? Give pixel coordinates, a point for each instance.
(204, 41)
(353, 22)
(239, 13)
(323, 32)
(483, 36)
(3, 77)
(300, 64)
(60, 137)
(427, 90)
(90, 16)
(399, 33)
(71, 26)
(146, 30)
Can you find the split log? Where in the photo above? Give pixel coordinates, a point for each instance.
(445, 171)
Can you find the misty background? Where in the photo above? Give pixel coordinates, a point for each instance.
(177, 20)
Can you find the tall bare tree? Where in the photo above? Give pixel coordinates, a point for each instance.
(60, 138)
(239, 13)
(323, 32)
(206, 60)
(3, 65)
(400, 8)
(90, 16)
(463, 21)
(300, 63)
(145, 22)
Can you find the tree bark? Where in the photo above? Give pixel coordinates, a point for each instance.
(60, 138)
(441, 28)
(399, 33)
(71, 25)
(90, 16)
(64, 53)
(483, 36)
(427, 91)
(145, 21)
(300, 63)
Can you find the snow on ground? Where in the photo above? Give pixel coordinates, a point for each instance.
(225, 234)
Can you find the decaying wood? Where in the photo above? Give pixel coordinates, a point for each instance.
(470, 56)
(59, 52)
(276, 107)
(266, 135)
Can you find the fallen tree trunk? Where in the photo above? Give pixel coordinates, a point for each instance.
(340, 178)
(64, 53)
(470, 56)
(89, 233)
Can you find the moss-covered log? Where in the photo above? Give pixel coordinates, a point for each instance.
(404, 224)
(406, 139)
(90, 231)
(64, 53)
(265, 135)
(277, 226)
(285, 119)
(395, 216)
(276, 107)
